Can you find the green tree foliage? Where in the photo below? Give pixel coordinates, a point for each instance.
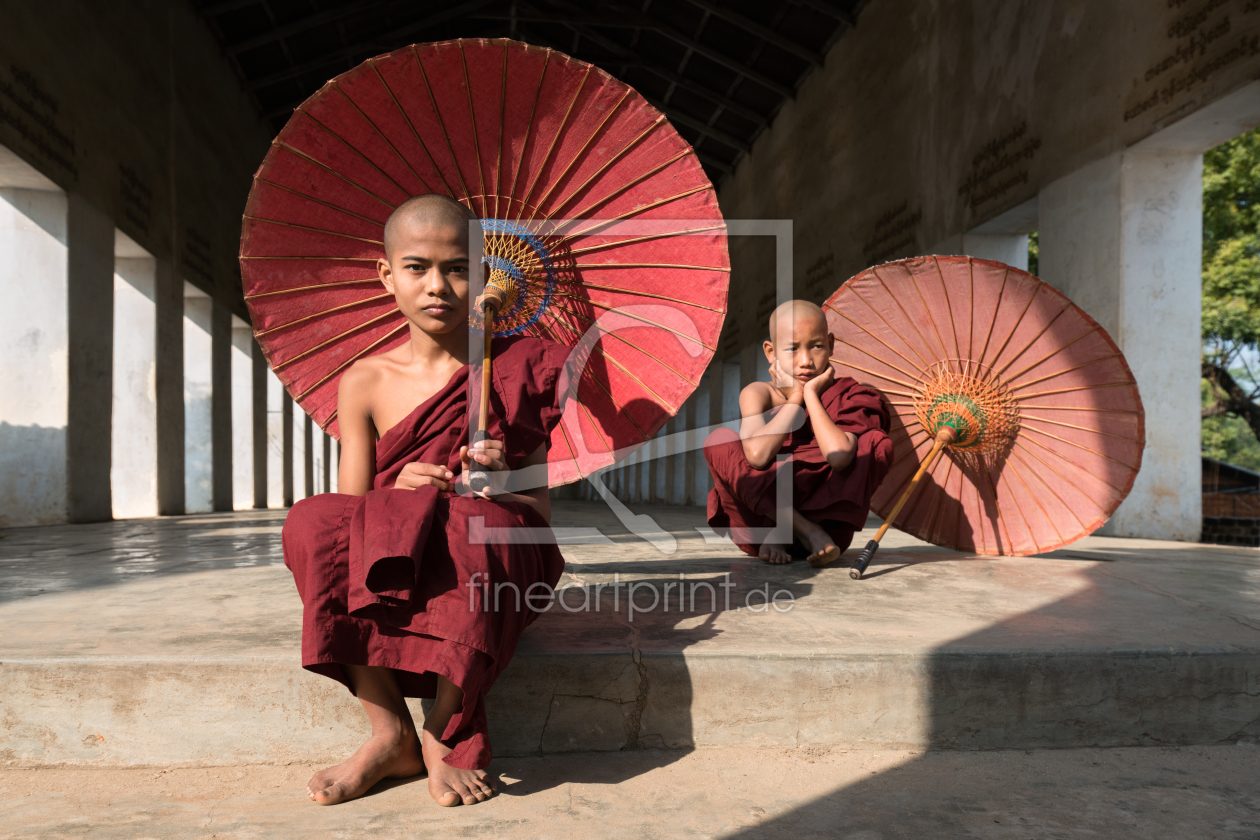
(1231, 300)
(1034, 254)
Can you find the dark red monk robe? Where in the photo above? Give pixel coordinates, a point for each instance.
(837, 500)
(384, 577)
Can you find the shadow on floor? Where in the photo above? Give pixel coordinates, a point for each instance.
(1154, 654)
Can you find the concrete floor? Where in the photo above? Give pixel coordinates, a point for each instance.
(171, 644)
(1194, 793)
(194, 621)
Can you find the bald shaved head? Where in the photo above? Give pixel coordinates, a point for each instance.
(796, 314)
(429, 210)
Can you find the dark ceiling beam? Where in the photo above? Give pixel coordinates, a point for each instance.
(710, 161)
(281, 111)
(307, 23)
(716, 56)
(625, 55)
(699, 125)
(628, 18)
(826, 8)
(305, 67)
(226, 6)
(765, 33)
(398, 38)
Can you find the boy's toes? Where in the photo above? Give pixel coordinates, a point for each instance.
(825, 556)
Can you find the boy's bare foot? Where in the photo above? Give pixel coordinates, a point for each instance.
(774, 554)
(827, 554)
(822, 550)
(380, 757)
(451, 785)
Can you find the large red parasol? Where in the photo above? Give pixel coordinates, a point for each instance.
(592, 204)
(1031, 402)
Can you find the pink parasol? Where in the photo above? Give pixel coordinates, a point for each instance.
(1029, 399)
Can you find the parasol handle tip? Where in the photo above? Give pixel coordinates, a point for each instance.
(864, 559)
(947, 434)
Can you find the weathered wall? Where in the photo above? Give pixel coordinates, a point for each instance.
(133, 107)
(959, 127)
(933, 117)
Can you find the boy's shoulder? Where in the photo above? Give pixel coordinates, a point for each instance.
(368, 373)
(759, 391)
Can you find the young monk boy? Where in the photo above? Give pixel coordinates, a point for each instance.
(386, 568)
(838, 456)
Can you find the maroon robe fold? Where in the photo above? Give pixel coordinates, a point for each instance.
(838, 500)
(385, 577)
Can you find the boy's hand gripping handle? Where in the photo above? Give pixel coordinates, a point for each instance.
(478, 476)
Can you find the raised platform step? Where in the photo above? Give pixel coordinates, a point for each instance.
(175, 642)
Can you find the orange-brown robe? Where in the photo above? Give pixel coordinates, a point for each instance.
(385, 577)
(839, 500)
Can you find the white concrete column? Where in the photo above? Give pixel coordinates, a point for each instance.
(242, 415)
(730, 389)
(90, 356)
(701, 402)
(334, 466)
(34, 341)
(669, 492)
(1009, 248)
(643, 473)
(685, 471)
(315, 458)
(134, 462)
(277, 472)
(198, 407)
(299, 469)
(653, 468)
(324, 477)
(1122, 238)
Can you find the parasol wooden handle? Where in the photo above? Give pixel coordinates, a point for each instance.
(944, 437)
(478, 477)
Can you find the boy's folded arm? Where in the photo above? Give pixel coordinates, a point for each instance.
(762, 439)
(838, 446)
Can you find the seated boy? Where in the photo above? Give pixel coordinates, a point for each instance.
(386, 568)
(838, 456)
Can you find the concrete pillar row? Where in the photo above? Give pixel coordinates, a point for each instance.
(199, 413)
(243, 408)
(133, 471)
(325, 479)
(34, 382)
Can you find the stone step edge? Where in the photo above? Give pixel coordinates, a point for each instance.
(269, 711)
